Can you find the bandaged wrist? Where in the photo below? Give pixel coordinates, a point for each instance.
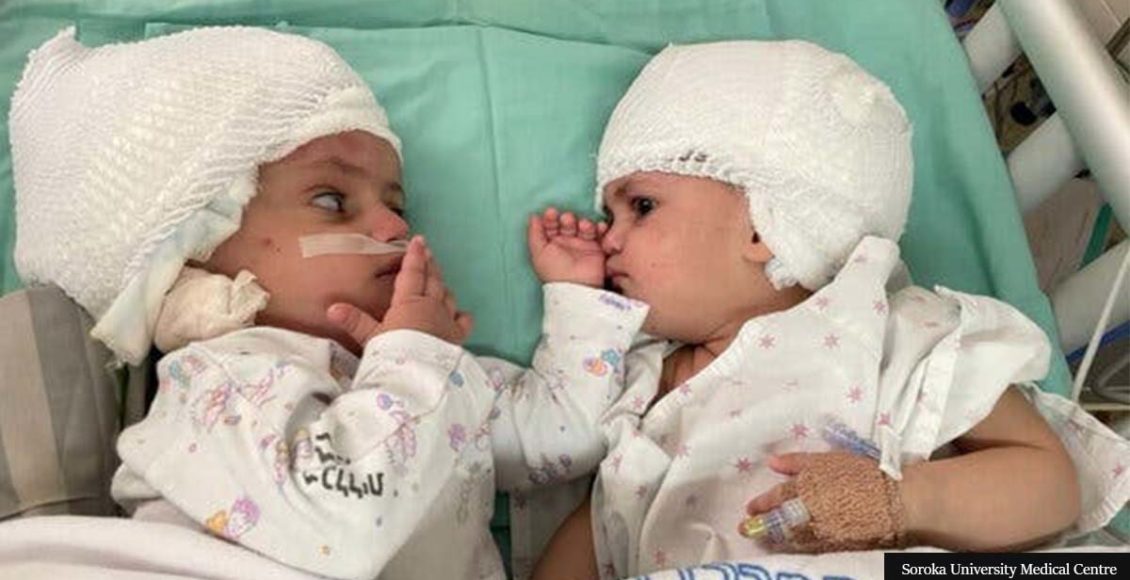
(852, 505)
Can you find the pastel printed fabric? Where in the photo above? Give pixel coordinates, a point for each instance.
(911, 371)
(293, 447)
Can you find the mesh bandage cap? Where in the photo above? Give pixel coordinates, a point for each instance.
(820, 147)
(130, 159)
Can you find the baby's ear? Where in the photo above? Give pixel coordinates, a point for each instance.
(756, 251)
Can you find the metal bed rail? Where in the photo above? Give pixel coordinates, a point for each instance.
(1090, 129)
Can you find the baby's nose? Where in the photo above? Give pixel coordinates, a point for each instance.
(386, 225)
(612, 241)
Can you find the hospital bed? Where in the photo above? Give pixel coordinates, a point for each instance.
(501, 104)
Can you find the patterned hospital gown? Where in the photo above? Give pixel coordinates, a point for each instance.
(911, 371)
(293, 447)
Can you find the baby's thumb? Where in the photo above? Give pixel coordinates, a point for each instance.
(354, 321)
(535, 234)
(466, 324)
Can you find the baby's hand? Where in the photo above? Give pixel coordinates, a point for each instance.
(563, 249)
(851, 504)
(420, 301)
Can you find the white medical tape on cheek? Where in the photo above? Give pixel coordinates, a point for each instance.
(321, 244)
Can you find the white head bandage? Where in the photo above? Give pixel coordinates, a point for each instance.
(820, 147)
(322, 244)
(162, 142)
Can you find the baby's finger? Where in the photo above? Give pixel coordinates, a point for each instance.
(435, 272)
(569, 224)
(601, 229)
(535, 234)
(465, 322)
(434, 268)
(770, 499)
(354, 321)
(789, 463)
(449, 303)
(410, 281)
(587, 230)
(551, 221)
(433, 285)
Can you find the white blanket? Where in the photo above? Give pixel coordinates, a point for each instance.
(89, 548)
(82, 548)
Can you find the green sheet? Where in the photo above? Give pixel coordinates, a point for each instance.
(501, 104)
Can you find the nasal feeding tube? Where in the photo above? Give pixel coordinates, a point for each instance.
(321, 244)
(777, 522)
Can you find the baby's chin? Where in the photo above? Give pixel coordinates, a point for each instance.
(341, 337)
(348, 343)
(311, 323)
(650, 327)
(379, 307)
(685, 332)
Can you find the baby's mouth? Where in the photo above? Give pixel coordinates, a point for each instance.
(615, 282)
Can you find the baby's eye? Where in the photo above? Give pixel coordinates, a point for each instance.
(642, 205)
(396, 207)
(330, 200)
(394, 200)
(609, 217)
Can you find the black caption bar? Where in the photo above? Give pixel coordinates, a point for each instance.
(1086, 565)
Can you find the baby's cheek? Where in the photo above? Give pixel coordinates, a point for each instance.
(651, 324)
(268, 244)
(382, 296)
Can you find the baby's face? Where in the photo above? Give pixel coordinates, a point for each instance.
(347, 184)
(684, 246)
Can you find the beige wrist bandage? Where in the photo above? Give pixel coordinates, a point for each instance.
(852, 505)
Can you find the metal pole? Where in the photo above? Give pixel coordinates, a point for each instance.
(1086, 87)
(1043, 162)
(990, 47)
